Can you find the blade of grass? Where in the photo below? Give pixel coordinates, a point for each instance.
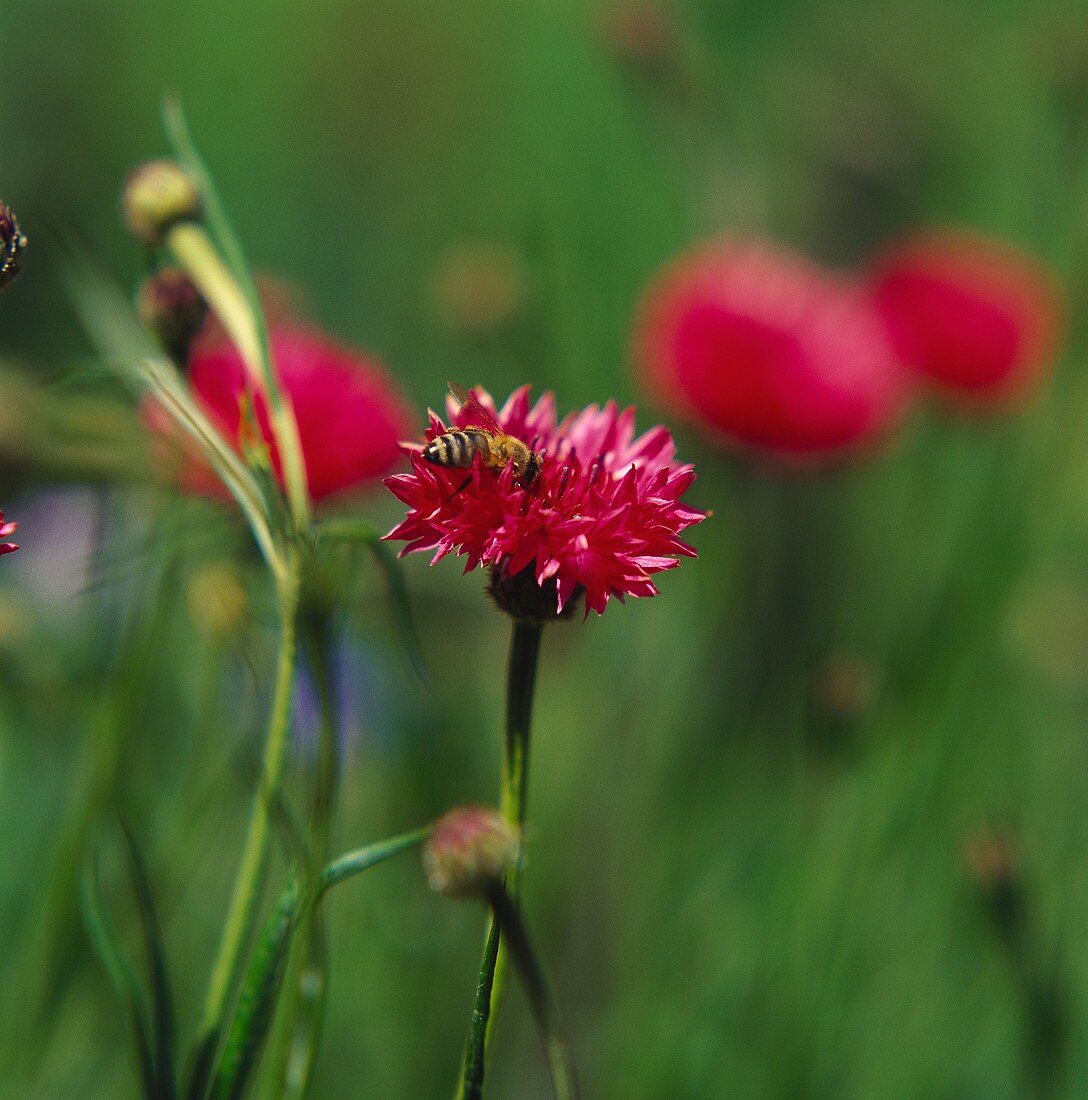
(162, 1005)
(284, 425)
(120, 974)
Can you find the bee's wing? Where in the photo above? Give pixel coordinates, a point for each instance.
(478, 416)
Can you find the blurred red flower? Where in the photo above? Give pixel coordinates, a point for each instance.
(604, 514)
(762, 347)
(350, 414)
(5, 530)
(970, 313)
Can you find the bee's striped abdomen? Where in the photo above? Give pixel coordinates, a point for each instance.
(456, 449)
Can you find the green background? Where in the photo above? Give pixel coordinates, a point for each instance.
(738, 888)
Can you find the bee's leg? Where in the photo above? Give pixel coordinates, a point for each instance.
(464, 485)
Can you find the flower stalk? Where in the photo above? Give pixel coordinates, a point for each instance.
(507, 917)
(247, 885)
(520, 685)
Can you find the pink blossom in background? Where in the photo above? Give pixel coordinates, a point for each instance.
(350, 413)
(969, 313)
(7, 529)
(764, 349)
(604, 515)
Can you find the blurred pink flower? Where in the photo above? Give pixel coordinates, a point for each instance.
(762, 347)
(5, 530)
(970, 313)
(349, 411)
(604, 515)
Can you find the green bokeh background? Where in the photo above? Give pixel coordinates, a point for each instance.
(736, 891)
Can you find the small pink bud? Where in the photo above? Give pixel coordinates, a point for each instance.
(469, 851)
(157, 196)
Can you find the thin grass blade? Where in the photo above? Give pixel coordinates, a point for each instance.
(121, 975)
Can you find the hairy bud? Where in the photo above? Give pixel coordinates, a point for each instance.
(469, 851)
(157, 196)
(172, 309)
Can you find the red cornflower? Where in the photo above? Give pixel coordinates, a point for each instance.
(603, 515)
(350, 415)
(762, 347)
(972, 314)
(5, 530)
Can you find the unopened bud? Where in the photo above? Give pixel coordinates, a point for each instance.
(172, 309)
(157, 196)
(469, 851)
(12, 243)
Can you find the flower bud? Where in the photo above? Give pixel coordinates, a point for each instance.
(12, 243)
(469, 851)
(157, 196)
(172, 309)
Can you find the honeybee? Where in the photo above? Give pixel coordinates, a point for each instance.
(458, 448)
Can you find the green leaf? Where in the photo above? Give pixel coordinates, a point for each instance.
(257, 1001)
(362, 859)
(120, 974)
(264, 978)
(219, 225)
(162, 1004)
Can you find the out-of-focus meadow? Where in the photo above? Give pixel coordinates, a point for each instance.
(812, 823)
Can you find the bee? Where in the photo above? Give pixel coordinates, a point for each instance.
(458, 448)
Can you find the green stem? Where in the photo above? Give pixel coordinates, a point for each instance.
(300, 1018)
(520, 684)
(507, 916)
(247, 884)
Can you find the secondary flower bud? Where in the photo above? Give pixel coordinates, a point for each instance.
(157, 196)
(469, 851)
(172, 309)
(12, 243)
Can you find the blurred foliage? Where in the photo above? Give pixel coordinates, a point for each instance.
(751, 798)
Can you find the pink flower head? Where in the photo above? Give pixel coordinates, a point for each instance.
(763, 348)
(603, 515)
(349, 412)
(5, 530)
(969, 313)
